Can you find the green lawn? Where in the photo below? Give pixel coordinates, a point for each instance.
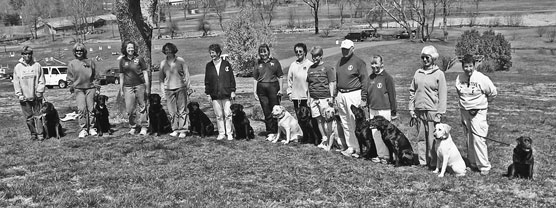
(126, 171)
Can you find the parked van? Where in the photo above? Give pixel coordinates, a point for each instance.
(55, 76)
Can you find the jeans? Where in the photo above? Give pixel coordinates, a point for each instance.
(135, 97)
(223, 116)
(176, 100)
(85, 106)
(31, 109)
(267, 93)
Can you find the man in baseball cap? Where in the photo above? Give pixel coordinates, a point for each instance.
(351, 76)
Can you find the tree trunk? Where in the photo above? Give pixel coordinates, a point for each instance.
(445, 19)
(134, 27)
(316, 21)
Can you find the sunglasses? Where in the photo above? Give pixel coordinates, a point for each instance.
(426, 58)
(299, 52)
(80, 51)
(26, 54)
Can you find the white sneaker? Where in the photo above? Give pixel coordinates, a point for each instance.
(271, 137)
(230, 137)
(92, 132)
(143, 131)
(174, 134)
(83, 133)
(220, 137)
(131, 131)
(182, 135)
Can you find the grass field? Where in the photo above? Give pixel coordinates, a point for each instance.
(130, 171)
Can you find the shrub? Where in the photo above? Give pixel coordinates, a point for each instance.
(493, 47)
(203, 25)
(541, 31)
(446, 62)
(487, 66)
(242, 39)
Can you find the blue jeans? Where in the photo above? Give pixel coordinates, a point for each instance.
(136, 97)
(85, 105)
(176, 100)
(31, 109)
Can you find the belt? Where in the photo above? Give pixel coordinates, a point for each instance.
(348, 90)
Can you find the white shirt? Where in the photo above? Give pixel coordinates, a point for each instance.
(217, 66)
(297, 79)
(474, 92)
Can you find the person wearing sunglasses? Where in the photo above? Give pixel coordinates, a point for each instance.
(220, 87)
(267, 87)
(135, 85)
(83, 80)
(29, 83)
(427, 102)
(297, 80)
(174, 84)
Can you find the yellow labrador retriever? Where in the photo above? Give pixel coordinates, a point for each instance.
(287, 125)
(447, 152)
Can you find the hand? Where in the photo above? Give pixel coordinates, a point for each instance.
(279, 93)
(437, 117)
(363, 103)
(209, 98)
(290, 97)
(256, 96)
(393, 115)
(412, 114)
(233, 96)
(72, 89)
(21, 98)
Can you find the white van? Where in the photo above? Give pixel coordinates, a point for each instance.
(55, 76)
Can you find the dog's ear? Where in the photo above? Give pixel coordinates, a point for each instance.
(240, 107)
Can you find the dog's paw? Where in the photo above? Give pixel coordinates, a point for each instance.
(440, 175)
(285, 141)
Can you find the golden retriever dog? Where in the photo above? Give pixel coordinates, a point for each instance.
(287, 124)
(447, 152)
(331, 120)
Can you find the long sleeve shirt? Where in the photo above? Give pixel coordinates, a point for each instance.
(475, 91)
(82, 74)
(297, 79)
(351, 74)
(28, 80)
(220, 81)
(428, 90)
(381, 92)
(175, 74)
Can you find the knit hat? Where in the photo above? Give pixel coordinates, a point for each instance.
(347, 44)
(431, 51)
(27, 49)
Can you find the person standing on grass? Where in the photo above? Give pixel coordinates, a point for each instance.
(427, 102)
(267, 87)
(134, 78)
(322, 82)
(28, 81)
(220, 87)
(297, 80)
(381, 102)
(475, 90)
(174, 85)
(351, 76)
(83, 80)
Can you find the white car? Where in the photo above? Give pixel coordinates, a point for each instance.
(55, 76)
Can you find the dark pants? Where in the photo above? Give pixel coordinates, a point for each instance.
(31, 109)
(267, 92)
(307, 138)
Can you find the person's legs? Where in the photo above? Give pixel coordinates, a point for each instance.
(273, 100)
(345, 100)
(381, 149)
(471, 155)
(83, 118)
(172, 104)
(429, 135)
(479, 125)
(27, 109)
(90, 106)
(129, 96)
(141, 99)
(228, 118)
(181, 108)
(218, 105)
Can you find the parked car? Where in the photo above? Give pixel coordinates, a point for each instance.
(369, 33)
(110, 76)
(55, 76)
(355, 37)
(4, 74)
(405, 35)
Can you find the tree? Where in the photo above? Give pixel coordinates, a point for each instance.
(421, 11)
(135, 20)
(494, 48)
(32, 12)
(446, 7)
(265, 10)
(315, 5)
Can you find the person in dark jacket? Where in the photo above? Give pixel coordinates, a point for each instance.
(220, 87)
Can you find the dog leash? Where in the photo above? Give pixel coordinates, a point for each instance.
(491, 139)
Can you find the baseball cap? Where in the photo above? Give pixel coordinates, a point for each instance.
(347, 44)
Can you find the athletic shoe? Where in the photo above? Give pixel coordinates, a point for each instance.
(375, 160)
(270, 137)
(131, 131)
(92, 132)
(174, 134)
(182, 135)
(230, 138)
(143, 131)
(383, 161)
(220, 137)
(484, 172)
(83, 133)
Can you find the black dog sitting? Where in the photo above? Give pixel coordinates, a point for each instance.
(401, 152)
(363, 133)
(199, 121)
(158, 119)
(523, 160)
(102, 123)
(50, 121)
(242, 127)
(310, 132)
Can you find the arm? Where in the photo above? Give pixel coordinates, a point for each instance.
(364, 79)
(411, 104)
(207, 79)
(187, 79)
(17, 85)
(146, 75)
(489, 89)
(391, 94)
(122, 80)
(40, 82)
(232, 80)
(290, 81)
(442, 93)
(161, 78)
(280, 75)
(96, 76)
(255, 90)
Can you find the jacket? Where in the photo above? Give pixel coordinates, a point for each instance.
(219, 86)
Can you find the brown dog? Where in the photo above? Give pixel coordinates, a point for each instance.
(523, 160)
